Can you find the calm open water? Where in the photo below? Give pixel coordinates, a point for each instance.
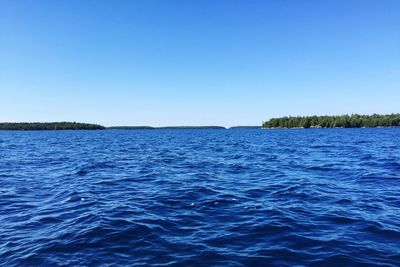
(322, 197)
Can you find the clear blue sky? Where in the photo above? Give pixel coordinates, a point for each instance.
(197, 62)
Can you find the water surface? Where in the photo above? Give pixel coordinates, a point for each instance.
(243, 197)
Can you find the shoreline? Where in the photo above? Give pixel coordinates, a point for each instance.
(193, 128)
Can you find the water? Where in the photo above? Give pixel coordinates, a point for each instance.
(322, 197)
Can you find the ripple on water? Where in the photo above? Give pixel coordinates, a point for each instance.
(317, 197)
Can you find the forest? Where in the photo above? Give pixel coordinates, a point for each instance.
(28, 126)
(342, 121)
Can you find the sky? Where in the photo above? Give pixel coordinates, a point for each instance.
(204, 62)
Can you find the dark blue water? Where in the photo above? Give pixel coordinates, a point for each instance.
(319, 197)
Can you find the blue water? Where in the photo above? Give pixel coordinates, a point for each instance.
(312, 197)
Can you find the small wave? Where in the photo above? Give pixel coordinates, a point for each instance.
(210, 198)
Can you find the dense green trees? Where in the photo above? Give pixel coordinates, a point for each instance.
(84, 126)
(49, 126)
(344, 121)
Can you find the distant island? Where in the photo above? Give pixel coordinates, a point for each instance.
(245, 127)
(343, 121)
(130, 128)
(191, 127)
(35, 126)
(162, 127)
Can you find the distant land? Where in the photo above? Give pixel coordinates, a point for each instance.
(245, 127)
(191, 127)
(178, 127)
(130, 128)
(163, 127)
(35, 126)
(342, 121)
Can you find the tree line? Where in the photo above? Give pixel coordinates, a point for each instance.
(49, 126)
(342, 121)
